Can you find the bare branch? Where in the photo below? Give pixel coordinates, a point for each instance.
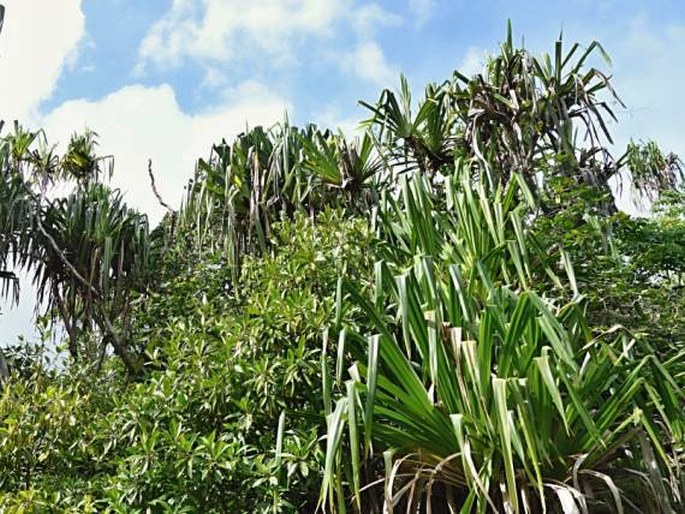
(154, 188)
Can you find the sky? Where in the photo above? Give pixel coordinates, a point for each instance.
(165, 79)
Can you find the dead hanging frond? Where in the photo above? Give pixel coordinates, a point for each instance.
(9, 286)
(651, 171)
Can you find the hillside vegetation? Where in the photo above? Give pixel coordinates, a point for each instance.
(444, 314)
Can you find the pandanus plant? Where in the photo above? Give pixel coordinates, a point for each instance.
(267, 175)
(545, 119)
(88, 252)
(525, 112)
(240, 191)
(346, 166)
(90, 260)
(13, 216)
(474, 393)
(424, 139)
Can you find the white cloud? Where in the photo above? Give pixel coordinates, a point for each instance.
(332, 117)
(473, 61)
(215, 33)
(365, 19)
(214, 79)
(39, 39)
(422, 10)
(138, 122)
(223, 30)
(368, 62)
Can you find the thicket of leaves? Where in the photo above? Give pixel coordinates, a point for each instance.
(447, 314)
(227, 418)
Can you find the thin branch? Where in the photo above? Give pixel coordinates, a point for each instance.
(117, 343)
(4, 368)
(68, 325)
(154, 188)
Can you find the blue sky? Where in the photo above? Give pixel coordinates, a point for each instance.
(164, 79)
(130, 42)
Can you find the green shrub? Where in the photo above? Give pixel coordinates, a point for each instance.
(233, 376)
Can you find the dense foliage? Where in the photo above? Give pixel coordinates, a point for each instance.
(446, 314)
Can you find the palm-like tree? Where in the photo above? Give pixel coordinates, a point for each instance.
(88, 252)
(91, 256)
(347, 166)
(525, 112)
(265, 176)
(17, 201)
(425, 140)
(544, 118)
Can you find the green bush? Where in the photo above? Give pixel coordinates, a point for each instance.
(231, 380)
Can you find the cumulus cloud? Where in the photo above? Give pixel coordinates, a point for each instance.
(223, 30)
(366, 18)
(368, 62)
(473, 61)
(139, 122)
(216, 33)
(39, 39)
